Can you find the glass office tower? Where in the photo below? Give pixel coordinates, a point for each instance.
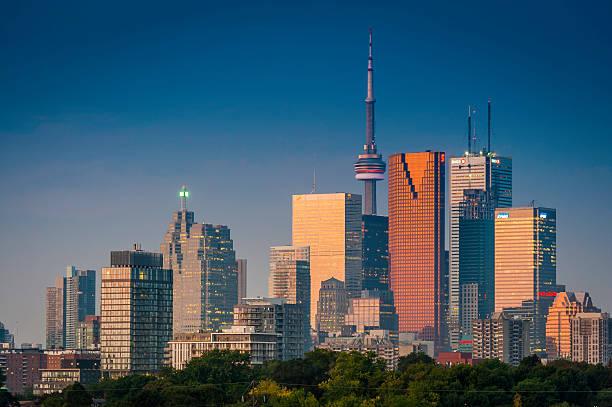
(375, 252)
(416, 243)
(136, 320)
(330, 224)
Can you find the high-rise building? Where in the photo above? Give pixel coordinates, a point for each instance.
(370, 166)
(416, 243)
(204, 267)
(332, 306)
(558, 322)
(7, 339)
(501, 337)
(590, 342)
(88, 333)
(136, 323)
(68, 303)
(330, 224)
(242, 279)
(290, 279)
(54, 326)
(374, 310)
(375, 252)
(274, 315)
(476, 257)
(79, 301)
(470, 173)
(525, 255)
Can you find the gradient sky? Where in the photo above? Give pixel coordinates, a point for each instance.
(107, 108)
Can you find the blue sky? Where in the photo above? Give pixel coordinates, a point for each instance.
(107, 108)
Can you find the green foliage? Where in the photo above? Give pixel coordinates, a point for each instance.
(7, 399)
(324, 378)
(75, 395)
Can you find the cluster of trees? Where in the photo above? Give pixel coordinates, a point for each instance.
(325, 378)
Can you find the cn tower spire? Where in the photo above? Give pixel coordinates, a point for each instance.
(370, 166)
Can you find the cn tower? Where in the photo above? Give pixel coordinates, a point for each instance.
(370, 166)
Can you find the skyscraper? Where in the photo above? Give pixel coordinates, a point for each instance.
(242, 279)
(558, 322)
(330, 224)
(492, 175)
(416, 242)
(79, 301)
(290, 279)
(370, 166)
(374, 310)
(136, 323)
(204, 268)
(525, 255)
(332, 306)
(68, 303)
(476, 257)
(375, 252)
(501, 337)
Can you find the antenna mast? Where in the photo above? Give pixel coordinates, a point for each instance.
(469, 132)
(489, 127)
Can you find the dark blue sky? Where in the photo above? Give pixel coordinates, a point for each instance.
(107, 108)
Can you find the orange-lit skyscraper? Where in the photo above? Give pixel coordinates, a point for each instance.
(416, 242)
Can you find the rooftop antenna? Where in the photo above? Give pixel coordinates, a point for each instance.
(314, 175)
(474, 127)
(183, 195)
(469, 129)
(489, 127)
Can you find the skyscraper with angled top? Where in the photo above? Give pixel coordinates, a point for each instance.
(205, 273)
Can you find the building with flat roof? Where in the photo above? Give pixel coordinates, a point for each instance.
(590, 342)
(374, 310)
(374, 341)
(332, 306)
(330, 224)
(501, 337)
(375, 252)
(136, 323)
(416, 243)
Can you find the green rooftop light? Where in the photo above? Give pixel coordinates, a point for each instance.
(182, 193)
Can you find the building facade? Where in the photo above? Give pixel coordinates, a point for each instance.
(136, 320)
(21, 367)
(332, 306)
(416, 243)
(88, 333)
(242, 279)
(375, 341)
(525, 255)
(261, 346)
(473, 172)
(558, 322)
(501, 337)
(590, 342)
(290, 279)
(374, 310)
(375, 252)
(54, 323)
(330, 224)
(203, 262)
(275, 316)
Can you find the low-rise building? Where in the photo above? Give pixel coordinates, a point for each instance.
(260, 345)
(376, 341)
(72, 370)
(456, 358)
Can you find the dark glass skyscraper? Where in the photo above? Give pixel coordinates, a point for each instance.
(375, 252)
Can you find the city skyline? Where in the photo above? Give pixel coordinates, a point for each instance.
(69, 176)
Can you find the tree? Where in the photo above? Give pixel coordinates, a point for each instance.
(53, 401)
(412, 359)
(76, 396)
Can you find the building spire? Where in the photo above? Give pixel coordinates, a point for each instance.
(183, 195)
(370, 147)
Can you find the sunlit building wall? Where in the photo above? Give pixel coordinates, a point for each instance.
(590, 342)
(416, 242)
(330, 224)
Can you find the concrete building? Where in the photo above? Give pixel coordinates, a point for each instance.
(374, 310)
(205, 273)
(416, 243)
(492, 177)
(525, 255)
(88, 333)
(375, 341)
(330, 224)
(54, 323)
(332, 306)
(456, 358)
(501, 337)
(82, 370)
(136, 322)
(290, 279)
(558, 322)
(277, 316)
(375, 252)
(590, 342)
(242, 279)
(261, 346)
